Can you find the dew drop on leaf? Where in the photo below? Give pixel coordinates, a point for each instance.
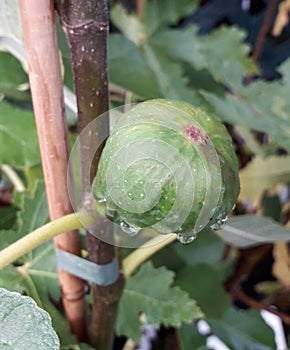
(220, 223)
(186, 238)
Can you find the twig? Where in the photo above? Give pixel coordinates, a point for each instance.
(140, 7)
(40, 42)
(86, 25)
(258, 47)
(259, 305)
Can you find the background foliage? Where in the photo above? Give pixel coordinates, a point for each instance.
(199, 53)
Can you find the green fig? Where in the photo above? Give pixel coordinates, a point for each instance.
(168, 166)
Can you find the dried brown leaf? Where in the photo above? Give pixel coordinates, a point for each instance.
(281, 266)
(282, 18)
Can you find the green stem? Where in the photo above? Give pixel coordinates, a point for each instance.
(40, 236)
(13, 177)
(72, 222)
(135, 259)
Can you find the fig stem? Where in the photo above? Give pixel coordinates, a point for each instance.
(144, 252)
(41, 235)
(72, 222)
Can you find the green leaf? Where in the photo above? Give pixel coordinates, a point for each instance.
(272, 207)
(164, 55)
(190, 338)
(155, 17)
(138, 30)
(130, 25)
(34, 213)
(207, 249)
(129, 69)
(262, 106)
(12, 76)
(37, 277)
(203, 284)
(245, 231)
(171, 80)
(18, 138)
(161, 303)
(7, 217)
(146, 72)
(227, 56)
(263, 174)
(222, 52)
(243, 330)
(23, 325)
(12, 279)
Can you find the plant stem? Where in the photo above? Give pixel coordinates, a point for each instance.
(71, 222)
(40, 41)
(13, 177)
(140, 7)
(258, 47)
(86, 24)
(143, 253)
(39, 236)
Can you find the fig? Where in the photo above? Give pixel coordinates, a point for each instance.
(169, 166)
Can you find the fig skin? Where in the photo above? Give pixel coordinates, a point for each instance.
(179, 154)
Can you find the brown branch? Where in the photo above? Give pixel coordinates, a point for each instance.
(140, 7)
(247, 261)
(46, 85)
(258, 47)
(259, 305)
(86, 25)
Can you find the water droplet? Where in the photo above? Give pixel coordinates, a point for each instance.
(220, 223)
(131, 230)
(102, 200)
(186, 238)
(111, 212)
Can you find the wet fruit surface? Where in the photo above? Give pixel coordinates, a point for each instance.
(169, 166)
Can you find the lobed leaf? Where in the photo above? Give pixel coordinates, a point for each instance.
(155, 17)
(237, 329)
(203, 283)
(37, 277)
(222, 52)
(263, 174)
(262, 106)
(158, 300)
(23, 325)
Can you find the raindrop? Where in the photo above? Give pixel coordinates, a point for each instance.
(111, 212)
(131, 230)
(186, 238)
(102, 200)
(221, 221)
